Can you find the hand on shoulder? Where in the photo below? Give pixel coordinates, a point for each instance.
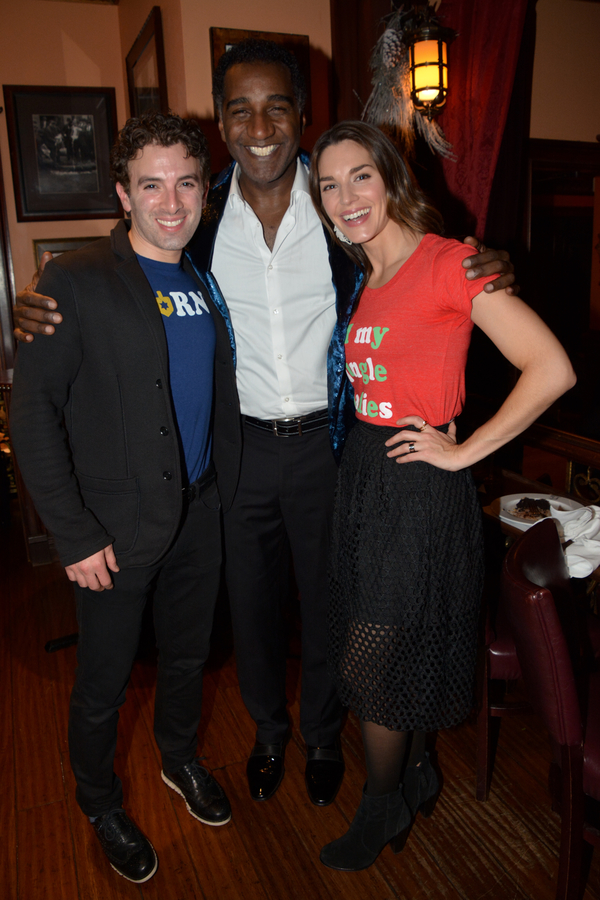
(490, 262)
(34, 313)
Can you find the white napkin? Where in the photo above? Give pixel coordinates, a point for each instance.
(582, 526)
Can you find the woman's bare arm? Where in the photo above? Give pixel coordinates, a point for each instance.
(546, 373)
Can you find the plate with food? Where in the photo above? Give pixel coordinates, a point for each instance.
(523, 510)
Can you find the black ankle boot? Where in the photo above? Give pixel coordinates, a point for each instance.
(421, 787)
(377, 821)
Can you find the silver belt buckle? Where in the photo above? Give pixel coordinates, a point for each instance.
(287, 421)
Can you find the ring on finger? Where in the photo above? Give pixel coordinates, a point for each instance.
(423, 426)
(412, 448)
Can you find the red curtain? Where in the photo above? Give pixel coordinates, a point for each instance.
(482, 63)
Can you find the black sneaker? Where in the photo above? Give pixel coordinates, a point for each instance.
(204, 797)
(129, 852)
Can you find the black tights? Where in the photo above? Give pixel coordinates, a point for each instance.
(385, 754)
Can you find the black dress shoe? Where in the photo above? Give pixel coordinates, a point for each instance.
(265, 770)
(129, 852)
(204, 797)
(324, 772)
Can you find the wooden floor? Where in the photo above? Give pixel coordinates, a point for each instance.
(504, 849)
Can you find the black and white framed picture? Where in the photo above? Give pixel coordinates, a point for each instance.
(56, 246)
(60, 140)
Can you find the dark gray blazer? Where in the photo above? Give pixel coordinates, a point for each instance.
(92, 418)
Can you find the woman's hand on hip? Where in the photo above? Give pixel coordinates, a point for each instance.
(425, 445)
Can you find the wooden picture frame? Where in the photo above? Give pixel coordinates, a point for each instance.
(60, 140)
(56, 246)
(221, 39)
(146, 71)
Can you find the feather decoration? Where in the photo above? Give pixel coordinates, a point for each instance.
(390, 103)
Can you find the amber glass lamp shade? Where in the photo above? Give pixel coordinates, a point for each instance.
(428, 72)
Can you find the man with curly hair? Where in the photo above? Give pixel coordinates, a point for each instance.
(112, 426)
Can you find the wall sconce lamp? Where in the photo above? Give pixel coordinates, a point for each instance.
(409, 66)
(428, 64)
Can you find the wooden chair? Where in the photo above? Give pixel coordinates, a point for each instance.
(498, 665)
(544, 623)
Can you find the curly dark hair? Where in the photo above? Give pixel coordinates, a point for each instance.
(406, 203)
(164, 129)
(257, 51)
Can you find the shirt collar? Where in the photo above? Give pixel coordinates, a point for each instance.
(300, 185)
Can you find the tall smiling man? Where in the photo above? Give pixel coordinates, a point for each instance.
(111, 422)
(285, 285)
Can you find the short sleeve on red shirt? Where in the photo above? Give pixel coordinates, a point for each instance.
(407, 343)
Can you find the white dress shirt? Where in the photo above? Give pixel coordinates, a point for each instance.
(281, 302)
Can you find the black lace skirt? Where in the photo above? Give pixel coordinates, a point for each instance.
(406, 579)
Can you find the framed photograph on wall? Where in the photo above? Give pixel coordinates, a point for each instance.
(60, 140)
(56, 246)
(146, 72)
(221, 39)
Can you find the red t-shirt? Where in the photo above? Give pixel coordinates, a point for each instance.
(407, 343)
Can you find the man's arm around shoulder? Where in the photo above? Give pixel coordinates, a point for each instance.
(34, 313)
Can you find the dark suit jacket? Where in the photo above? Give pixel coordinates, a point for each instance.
(92, 418)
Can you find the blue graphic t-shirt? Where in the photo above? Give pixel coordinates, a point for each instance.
(190, 333)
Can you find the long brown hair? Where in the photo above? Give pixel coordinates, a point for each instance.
(407, 204)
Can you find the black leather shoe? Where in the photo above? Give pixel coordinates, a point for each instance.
(204, 797)
(265, 770)
(128, 851)
(324, 772)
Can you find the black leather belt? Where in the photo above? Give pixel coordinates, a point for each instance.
(194, 490)
(292, 426)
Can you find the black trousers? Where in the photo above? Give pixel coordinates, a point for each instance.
(184, 585)
(286, 487)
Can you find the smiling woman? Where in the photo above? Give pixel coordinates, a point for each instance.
(364, 164)
(406, 554)
(354, 197)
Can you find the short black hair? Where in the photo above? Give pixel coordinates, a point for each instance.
(163, 129)
(257, 51)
